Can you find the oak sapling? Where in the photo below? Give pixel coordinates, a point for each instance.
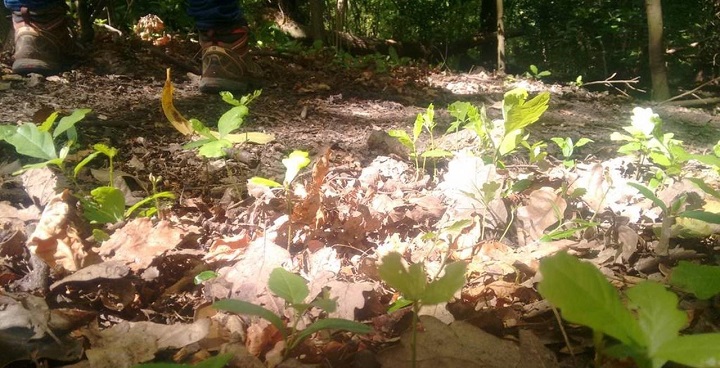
(294, 290)
(645, 330)
(412, 283)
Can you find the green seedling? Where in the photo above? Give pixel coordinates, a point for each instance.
(647, 141)
(106, 204)
(424, 121)
(296, 161)
(412, 283)
(204, 276)
(214, 144)
(536, 73)
(498, 138)
(38, 142)
(568, 147)
(536, 152)
(646, 329)
(677, 208)
(294, 290)
(218, 361)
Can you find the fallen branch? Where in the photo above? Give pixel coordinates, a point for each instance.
(609, 82)
(692, 93)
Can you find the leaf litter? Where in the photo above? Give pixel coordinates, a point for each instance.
(131, 298)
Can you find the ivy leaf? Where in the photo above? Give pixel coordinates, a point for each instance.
(287, 285)
(701, 280)
(586, 297)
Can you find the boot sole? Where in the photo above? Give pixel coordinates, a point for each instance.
(28, 66)
(214, 85)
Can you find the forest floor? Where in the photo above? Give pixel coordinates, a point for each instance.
(370, 204)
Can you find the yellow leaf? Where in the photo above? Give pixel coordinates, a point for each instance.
(253, 137)
(176, 119)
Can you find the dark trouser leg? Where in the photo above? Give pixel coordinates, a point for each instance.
(213, 14)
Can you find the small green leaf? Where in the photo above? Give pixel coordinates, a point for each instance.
(583, 141)
(701, 280)
(99, 235)
(293, 164)
(204, 276)
(694, 351)
(400, 303)
(106, 150)
(229, 98)
(647, 193)
(325, 303)
(417, 127)
(436, 153)
(49, 121)
(705, 187)
(203, 130)
(402, 137)
(331, 324)
(287, 285)
(533, 69)
(146, 200)
(243, 307)
(214, 149)
(232, 120)
(443, 289)
(69, 121)
(658, 316)
(585, 297)
(411, 283)
(264, 182)
(84, 162)
(107, 205)
(709, 217)
(30, 141)
(544, 73)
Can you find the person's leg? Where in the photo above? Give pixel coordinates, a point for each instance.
(224, 40)
(42, 37)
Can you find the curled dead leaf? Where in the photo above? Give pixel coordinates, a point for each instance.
(175, 117)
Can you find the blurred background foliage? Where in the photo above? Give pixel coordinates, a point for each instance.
(570, 38)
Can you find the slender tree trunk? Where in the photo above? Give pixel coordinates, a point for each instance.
(656, 52)
(340, 13)
(317, 19)
(488, 25)
(501, 38)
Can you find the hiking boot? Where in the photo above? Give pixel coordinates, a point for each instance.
(42, 41)
(225, 65)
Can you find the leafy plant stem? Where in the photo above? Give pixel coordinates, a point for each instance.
(413, 344)
(562, 331)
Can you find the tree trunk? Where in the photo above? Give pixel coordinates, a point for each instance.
(488, 25)
(340, 13)
(317, 19)
(658, 73)
(501, 38)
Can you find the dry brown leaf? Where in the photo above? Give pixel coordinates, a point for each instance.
(139, 242)
(228, 247)
(175, 117)
(544, 207)
(310, 210)
(55, 239)
(130, 343)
